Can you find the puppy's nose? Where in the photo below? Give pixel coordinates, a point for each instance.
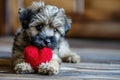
(52, 42)
(41, 40)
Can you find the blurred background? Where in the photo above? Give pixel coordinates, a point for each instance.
(91, 18)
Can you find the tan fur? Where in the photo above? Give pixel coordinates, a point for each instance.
(50, 17)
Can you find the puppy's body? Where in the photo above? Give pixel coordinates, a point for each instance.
(43, 25)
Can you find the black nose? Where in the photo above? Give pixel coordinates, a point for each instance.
(52, 42)
(41, 40)
(38, 40)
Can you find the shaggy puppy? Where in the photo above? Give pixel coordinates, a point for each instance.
(43, 25)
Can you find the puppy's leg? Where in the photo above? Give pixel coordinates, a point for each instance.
(66, 54)
(20, 66)
(51, 67)
(18, 63)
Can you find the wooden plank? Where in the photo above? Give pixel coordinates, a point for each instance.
(94, 43)
(87, 55)
(70, 72)
(10, 77)
(84, 72)
(5, 62)
(87, 66)
(98, 55)
(95, 66)
(106, 30)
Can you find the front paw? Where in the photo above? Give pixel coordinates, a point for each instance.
(48, 68)
(73, 58)
(23, 68)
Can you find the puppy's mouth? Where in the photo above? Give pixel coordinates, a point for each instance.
(41, 40)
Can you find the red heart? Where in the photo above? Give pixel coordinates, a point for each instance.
(34, 56)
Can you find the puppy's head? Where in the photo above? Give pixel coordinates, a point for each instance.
(46, 24)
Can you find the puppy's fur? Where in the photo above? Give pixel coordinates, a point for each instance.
(43, 25)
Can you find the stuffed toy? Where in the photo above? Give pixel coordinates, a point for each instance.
(36, 56)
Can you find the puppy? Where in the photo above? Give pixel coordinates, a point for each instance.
(43, 25)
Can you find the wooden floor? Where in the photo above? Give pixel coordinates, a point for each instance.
(100, 60)
(80, 71)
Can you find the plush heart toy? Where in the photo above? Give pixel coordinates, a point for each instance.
(36, 56)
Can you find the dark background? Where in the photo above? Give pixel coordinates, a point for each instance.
(99, 19)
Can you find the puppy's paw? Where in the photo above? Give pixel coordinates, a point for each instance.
(48, 68)
(73, 58)
(23, 68)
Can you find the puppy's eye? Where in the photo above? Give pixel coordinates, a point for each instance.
(55, 30)
(39, 28)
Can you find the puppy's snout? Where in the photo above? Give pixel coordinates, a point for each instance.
(52, 42)
(41, 40)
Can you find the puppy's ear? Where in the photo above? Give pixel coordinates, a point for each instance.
(67, 26)
(25, 17)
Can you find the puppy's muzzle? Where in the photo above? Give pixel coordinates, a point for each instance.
(41, 40)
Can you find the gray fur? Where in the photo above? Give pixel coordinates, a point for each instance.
(43, 25)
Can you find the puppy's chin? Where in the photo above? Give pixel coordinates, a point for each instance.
(41, 40)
